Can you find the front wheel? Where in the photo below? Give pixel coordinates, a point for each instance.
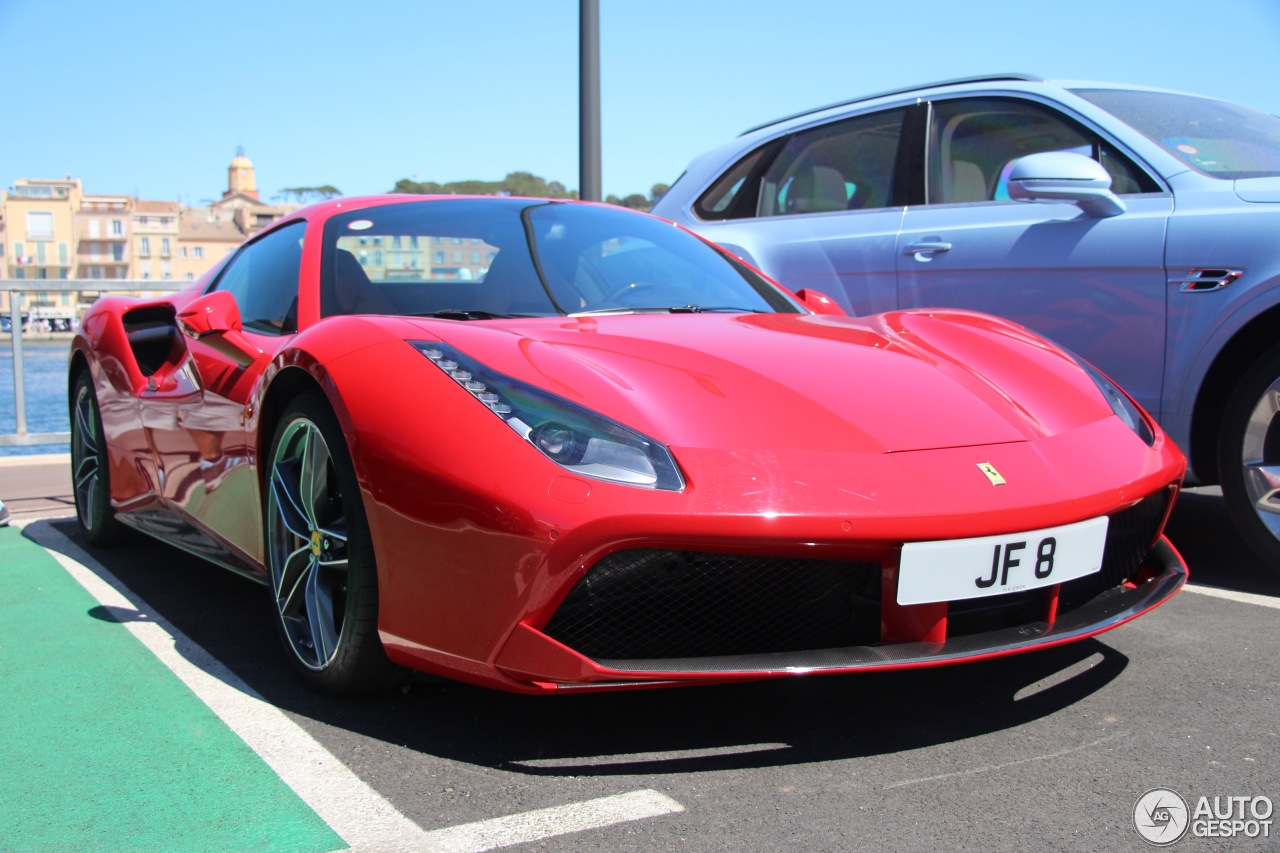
(1249, 457)
(320, 555)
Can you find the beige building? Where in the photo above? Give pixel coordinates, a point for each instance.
(40, 228)
(203, 242)
(102, 237)
(54, 230)
(40, 240)
(155, 240)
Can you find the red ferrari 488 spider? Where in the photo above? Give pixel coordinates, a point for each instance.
(541, 445)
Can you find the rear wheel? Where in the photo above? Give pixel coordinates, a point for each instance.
(320, 555)
(90, 474)
(1249, 457)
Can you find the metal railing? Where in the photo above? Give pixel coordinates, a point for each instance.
(18, 289)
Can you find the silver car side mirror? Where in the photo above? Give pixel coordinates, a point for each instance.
(1054, 176)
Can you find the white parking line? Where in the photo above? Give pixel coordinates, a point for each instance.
(1245, 597)
(360, 815)
(546, 823)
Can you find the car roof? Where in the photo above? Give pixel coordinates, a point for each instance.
(1011, 77)
(982, 78)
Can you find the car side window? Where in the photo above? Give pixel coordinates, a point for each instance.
(845, 165)
(731, 197)
(973, 143)
(263, 277)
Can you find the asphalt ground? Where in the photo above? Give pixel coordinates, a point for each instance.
(1043, 751)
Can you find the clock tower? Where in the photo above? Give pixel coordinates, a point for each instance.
(240, 180)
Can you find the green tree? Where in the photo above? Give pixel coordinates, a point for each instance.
(515, 183)
(302, 195)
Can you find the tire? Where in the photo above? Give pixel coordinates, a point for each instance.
(90, 470)
(1249, 457)
(320, 558)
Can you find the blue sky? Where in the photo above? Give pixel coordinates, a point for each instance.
(151, 97)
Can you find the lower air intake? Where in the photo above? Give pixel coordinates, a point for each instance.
(651, 604)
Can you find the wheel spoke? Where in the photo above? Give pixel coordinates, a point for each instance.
(1263, 485)
(288, 502)
(86, 471)
(320, 617)
(295, 574)
(313, 484)
(338, 564)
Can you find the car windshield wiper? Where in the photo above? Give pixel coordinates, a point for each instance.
(671, 309)
(460, 314)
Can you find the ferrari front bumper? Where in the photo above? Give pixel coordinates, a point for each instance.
(532, 657)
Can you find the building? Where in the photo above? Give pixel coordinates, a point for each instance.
(40, 242)
(156, 234)
(54, 230)
(202, 242)
(102, 237)
(40, 226)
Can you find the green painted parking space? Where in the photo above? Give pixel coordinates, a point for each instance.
(103, 748)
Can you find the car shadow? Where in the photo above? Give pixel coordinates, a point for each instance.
(737, 726)
(678, 730)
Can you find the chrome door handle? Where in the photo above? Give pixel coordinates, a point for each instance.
(926, 249)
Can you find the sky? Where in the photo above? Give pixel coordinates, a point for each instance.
(152, 97)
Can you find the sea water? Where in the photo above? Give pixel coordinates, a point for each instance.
(45, 378)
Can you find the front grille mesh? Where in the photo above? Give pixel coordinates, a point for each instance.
(652, 604)
(659, 604)
(1130, 535)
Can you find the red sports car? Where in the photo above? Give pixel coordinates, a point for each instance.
(540, 445)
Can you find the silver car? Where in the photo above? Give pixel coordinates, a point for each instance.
(1139, 227)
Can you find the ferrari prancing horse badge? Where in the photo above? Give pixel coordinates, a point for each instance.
(992, 474)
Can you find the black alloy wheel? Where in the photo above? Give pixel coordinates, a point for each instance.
(320, 556)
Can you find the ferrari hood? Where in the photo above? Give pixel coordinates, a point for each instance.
(902, 381)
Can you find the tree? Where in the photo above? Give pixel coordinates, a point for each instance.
(524, 184)
(302, 195)
(515, 183)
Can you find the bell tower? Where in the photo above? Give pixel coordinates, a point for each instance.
(240, 176)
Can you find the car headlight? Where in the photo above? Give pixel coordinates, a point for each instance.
(572, 436)
(1120, 403)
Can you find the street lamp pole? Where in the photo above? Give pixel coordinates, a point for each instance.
(589, 100)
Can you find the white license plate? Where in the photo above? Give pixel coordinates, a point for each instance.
(957, 569)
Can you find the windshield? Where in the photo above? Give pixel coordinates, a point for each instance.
(471, 259)
(1214, 137)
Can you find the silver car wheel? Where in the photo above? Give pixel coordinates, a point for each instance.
(1260, 458)
(307, 544)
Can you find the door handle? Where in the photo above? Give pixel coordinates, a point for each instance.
(926, 249)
